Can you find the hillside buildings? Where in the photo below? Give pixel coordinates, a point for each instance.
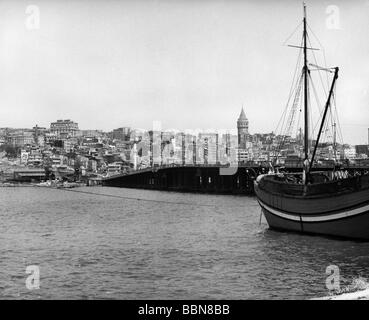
(64, 128)
(123, 149)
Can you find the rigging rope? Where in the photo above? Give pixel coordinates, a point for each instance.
(323, 51)
(287, 121)
(332, 113)
(294, 31)
(137, 199)
(293, 88)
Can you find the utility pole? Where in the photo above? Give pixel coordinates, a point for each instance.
(194, 150)
(228, 147)
(151, 134)
(217, 148)
(206, 150)
(183, 149)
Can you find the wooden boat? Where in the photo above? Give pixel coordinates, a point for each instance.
(314, 202)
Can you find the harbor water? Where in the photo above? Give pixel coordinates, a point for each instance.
(116, 243)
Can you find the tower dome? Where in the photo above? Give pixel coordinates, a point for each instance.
(243, 129)
(242, 115)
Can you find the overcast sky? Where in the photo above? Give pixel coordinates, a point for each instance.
(188, 64)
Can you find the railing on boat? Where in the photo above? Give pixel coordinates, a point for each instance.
(277, 184)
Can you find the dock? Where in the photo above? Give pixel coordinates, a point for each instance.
(218, 179)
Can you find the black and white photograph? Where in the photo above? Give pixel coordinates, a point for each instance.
(209, 150)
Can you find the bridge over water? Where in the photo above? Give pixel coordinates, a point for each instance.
(223, 179)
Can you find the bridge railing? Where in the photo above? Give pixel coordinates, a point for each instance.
(248, 164)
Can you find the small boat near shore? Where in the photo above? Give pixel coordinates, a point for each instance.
(9, 184)
(59, 184)
(69, 185)
(311, 202)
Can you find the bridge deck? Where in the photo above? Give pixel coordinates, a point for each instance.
(201, 178)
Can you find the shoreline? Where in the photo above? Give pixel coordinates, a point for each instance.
(59, 185)
(357, 295)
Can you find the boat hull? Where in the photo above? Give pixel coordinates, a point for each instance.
(354, 227)
(344, 214)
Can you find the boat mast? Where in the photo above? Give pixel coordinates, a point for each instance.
(327, 105)
(334, 142)
(305, 72)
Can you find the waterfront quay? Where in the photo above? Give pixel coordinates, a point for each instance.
(221, 179)
(189, 178)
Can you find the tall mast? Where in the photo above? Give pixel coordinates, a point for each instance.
(324, 116)
(306, 111)
(334, 142)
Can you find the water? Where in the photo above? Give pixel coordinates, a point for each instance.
(90, 246)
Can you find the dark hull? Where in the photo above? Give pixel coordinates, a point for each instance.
(339, 211)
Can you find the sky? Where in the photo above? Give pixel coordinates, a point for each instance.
(188, 64)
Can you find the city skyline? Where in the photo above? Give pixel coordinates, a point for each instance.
(113, 64)
(157, 127)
